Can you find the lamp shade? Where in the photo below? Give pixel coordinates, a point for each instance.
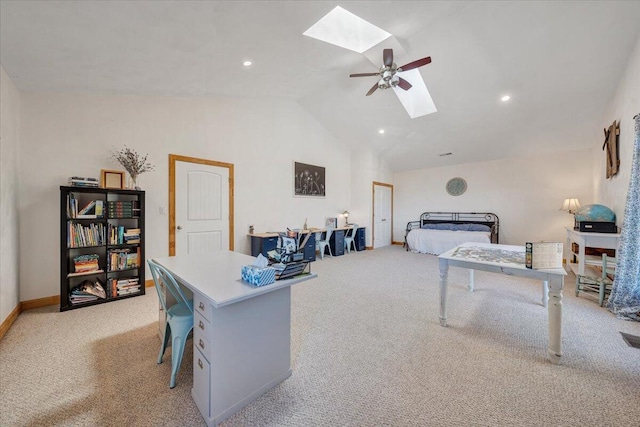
(570, 205)
(346, 214)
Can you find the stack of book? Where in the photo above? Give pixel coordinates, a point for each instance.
(118, 235)
(93, 209)
(123, 209)
(79, 236)
(122, 259)
(132, 236)
(87, 291)
(125, 286)
(86, 264)
(78, 181)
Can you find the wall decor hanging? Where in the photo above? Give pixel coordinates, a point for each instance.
(611, 147)
(456, 186)
(308, 180)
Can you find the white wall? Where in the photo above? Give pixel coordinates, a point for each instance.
(525, 193)
(366, 167)
(65, 135)
(624, 106)
(9, 243)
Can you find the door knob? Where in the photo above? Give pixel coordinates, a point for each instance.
(179, 227)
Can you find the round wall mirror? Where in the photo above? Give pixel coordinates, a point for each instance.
(456, 186)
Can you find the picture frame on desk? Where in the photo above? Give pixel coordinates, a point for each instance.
(308, 180)
(331, 222)
(112, 179)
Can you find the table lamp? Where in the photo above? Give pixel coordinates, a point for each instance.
(346, 217)
(570, 205)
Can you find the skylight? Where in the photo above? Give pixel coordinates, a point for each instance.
(342, 28)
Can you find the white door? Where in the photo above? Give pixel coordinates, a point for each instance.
(381, 215)
(201, 208)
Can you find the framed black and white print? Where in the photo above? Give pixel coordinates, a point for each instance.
(308, 180)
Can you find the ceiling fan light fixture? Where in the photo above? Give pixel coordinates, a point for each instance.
(342, 28)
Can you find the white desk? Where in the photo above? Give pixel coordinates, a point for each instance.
(506, 259)
(590, 240)
(242, 333)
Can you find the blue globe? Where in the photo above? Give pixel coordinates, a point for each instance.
(599, 213)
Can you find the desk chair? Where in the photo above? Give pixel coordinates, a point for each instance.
(179, 317)
(323, 244)
(597, 282)
(350, 238)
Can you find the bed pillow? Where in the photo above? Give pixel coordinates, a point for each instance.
(456, 227)
(477, 227)
(442, 226)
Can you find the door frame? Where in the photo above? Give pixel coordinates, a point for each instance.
(373, 211)
(173, 158)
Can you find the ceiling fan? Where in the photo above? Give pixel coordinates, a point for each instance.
(388, 72)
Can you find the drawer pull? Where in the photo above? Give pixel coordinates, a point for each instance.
(201, 344)
(201, 306)
(200, 363)
(201, 325)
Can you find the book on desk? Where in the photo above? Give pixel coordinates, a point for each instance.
(543, 255)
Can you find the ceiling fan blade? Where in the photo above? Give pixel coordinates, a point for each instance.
(387, 57)
(373, 89)
(415, 64)
(364, 74)
(404, 84)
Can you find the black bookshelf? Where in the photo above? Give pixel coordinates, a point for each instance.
(123, 212)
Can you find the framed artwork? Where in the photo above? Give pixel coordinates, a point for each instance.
(112, 179)
(308, 180)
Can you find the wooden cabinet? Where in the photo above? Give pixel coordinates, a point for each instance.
(101, 245)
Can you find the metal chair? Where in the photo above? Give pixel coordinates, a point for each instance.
(350, 238)
(597, 279)
(179, 317)
(323, 244)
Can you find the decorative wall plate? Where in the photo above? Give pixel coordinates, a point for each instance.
(456, 186)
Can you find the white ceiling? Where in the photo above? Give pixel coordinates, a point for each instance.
(559, 61)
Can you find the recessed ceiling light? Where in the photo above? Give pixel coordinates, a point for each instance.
(505, 98)
(247, 63)
(342, 28)
(381, 131)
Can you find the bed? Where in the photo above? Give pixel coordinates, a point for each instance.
(437, 232)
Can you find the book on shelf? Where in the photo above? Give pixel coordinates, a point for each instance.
(86, 291)
(543, 255)
(85, 273)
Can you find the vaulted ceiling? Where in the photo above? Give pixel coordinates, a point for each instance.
(559, 61)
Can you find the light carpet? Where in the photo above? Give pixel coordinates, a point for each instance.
(367, 350)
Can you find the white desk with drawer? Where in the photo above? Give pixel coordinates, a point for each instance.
(590, 240)
(242, 333)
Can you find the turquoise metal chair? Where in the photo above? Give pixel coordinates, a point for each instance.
(323, 244)
(350, 238)
(597, 282)
(179, 317)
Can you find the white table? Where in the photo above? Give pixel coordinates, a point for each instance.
(506, 259)
(242, 333)
(590, 240)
